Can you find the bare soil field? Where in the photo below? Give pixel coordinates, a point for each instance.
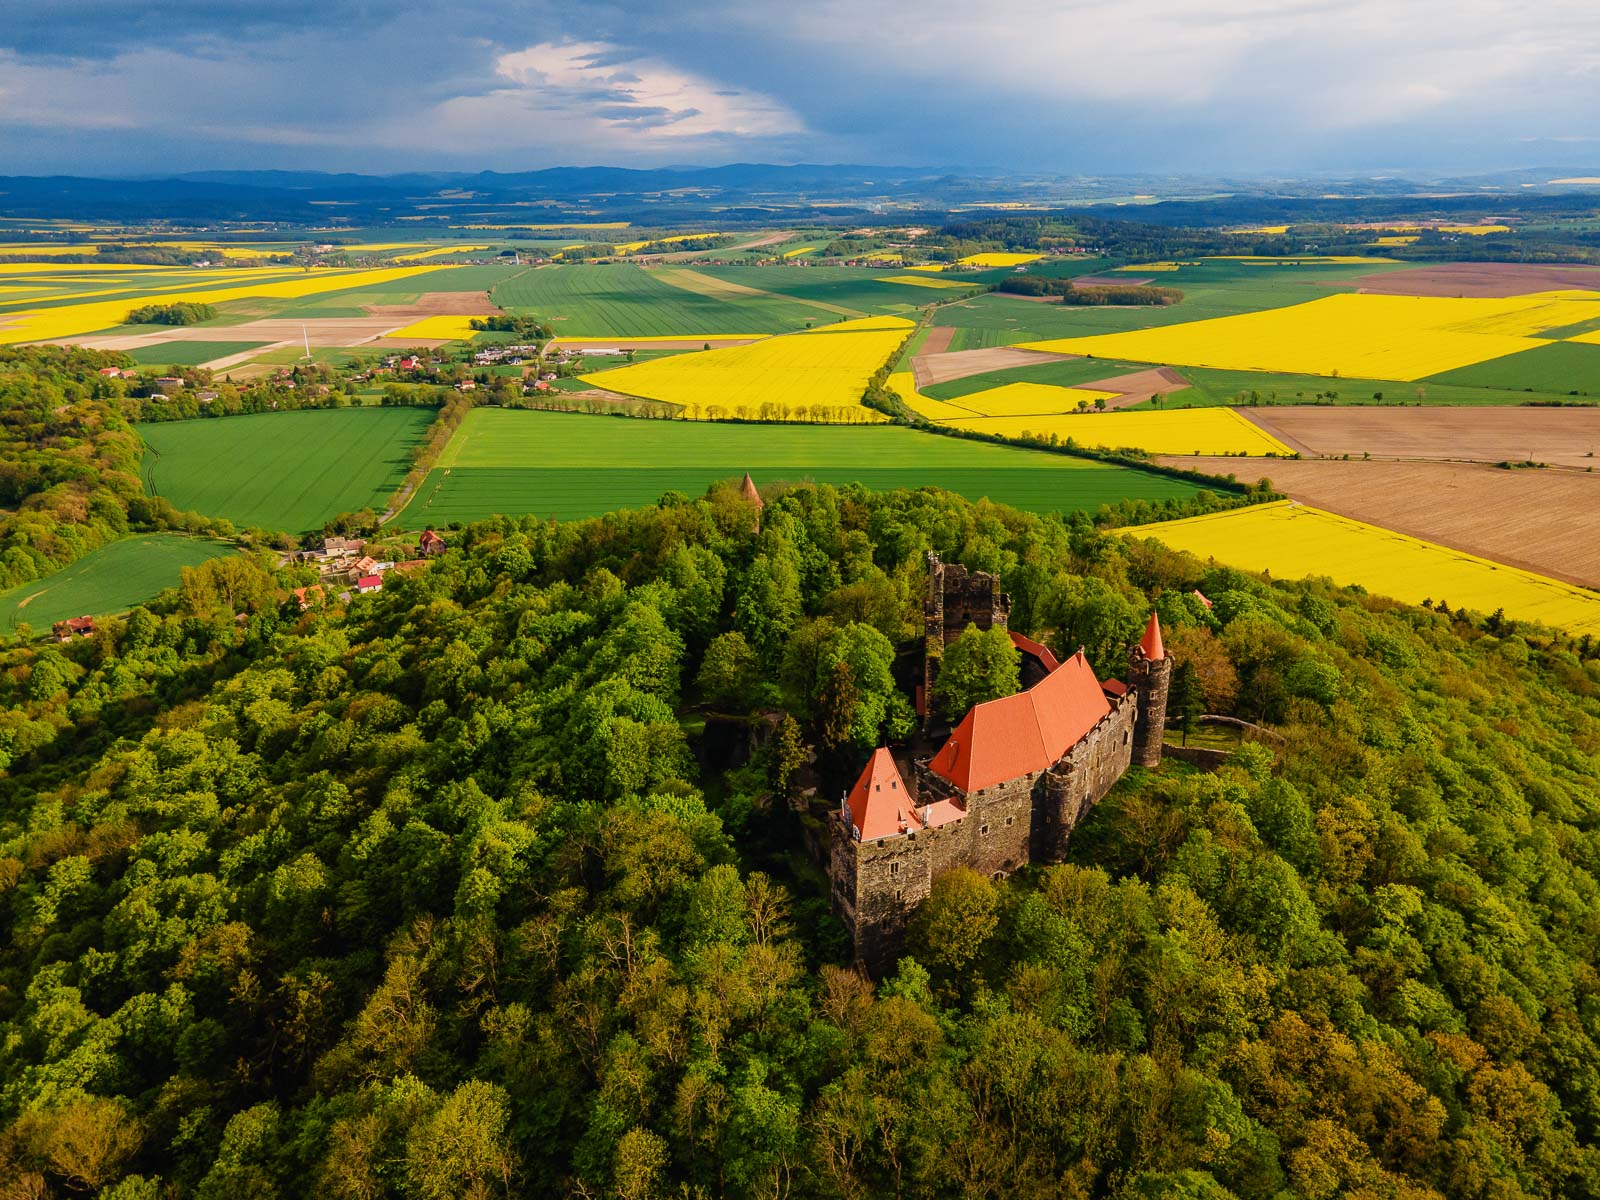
(1477, 280)
(1542, 521)
(1138, 386)
(327, 331)
(434, 304)
(958, 364)
(1112, 280)
(1565, 437)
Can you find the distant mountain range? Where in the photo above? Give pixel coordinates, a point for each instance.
(746, 194)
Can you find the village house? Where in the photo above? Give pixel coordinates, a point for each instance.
(430, 544)
(73, 627)
(1008, 785)
(369, 583)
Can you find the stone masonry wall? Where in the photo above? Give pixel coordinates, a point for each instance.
(1082, 778)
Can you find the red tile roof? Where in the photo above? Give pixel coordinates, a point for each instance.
(747, 489)
(370, 583)
(1150, 644)
(1025, 733)
(1037, 649)
(879, 805)
(1114, 687)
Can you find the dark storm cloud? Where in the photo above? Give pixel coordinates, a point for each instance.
(1142, 85)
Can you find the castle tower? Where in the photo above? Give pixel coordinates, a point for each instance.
(956, 599)
(1149, 675)
(751, 496)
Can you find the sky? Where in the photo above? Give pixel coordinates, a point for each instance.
(1197, 87)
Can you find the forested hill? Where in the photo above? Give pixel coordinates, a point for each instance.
(433, 897)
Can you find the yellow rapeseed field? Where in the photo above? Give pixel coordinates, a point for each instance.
(904, 383)
(1029, 399)
(1179, 431)
(999, 260)
(926, 281)
(453, 328)
(1355, 335)
(1155, 266)
(436, 251)
(666, 337)
(817, 375)
(1272, 230)
(73, 320)
(1293, 540)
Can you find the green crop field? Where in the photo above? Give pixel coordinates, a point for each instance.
(1560, 367)
(622, 300)
(567, 465)
(111, 579)
(283, 471)
(1213, 387)
(187, 354)
(864, 290)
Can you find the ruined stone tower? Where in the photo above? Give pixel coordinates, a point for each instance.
(1149, 675)
(956, 599)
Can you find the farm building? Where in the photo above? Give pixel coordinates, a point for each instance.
(73, 627)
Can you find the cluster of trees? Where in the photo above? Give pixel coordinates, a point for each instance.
(433, 896)
(1092, 295)
(183, 312)
(69, 463)
(522, 329)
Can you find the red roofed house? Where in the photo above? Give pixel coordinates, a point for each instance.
(430, 543)
(369, 583)
(1008, 785)
(73, 627)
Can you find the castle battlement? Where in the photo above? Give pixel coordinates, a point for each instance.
(1008, 785)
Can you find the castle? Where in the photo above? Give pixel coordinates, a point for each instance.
(1009, 784)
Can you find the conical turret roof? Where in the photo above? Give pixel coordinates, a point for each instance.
(1150, 644)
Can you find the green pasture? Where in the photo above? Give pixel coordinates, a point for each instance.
(1213, 387)
(623, 300)
(283, 471)
(186, 354)
(568, 465)
(1561, 367)
(866, 291)
(111, 579)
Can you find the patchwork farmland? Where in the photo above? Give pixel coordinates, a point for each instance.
(567, 465)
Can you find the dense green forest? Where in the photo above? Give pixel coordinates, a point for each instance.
(447, 894)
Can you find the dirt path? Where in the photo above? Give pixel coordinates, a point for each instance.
(1565, 437)
(1541, 521)
(958, 364)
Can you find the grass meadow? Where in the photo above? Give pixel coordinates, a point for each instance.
(283, 471)
(567, 466)
(111, 579)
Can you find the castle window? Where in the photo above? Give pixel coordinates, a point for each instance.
(899, 892)
(894, 868)
(1124, 737)
(1009, 821)
(983, 830)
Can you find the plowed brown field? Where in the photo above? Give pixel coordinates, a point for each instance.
(1541, 521)
(1567, 437)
